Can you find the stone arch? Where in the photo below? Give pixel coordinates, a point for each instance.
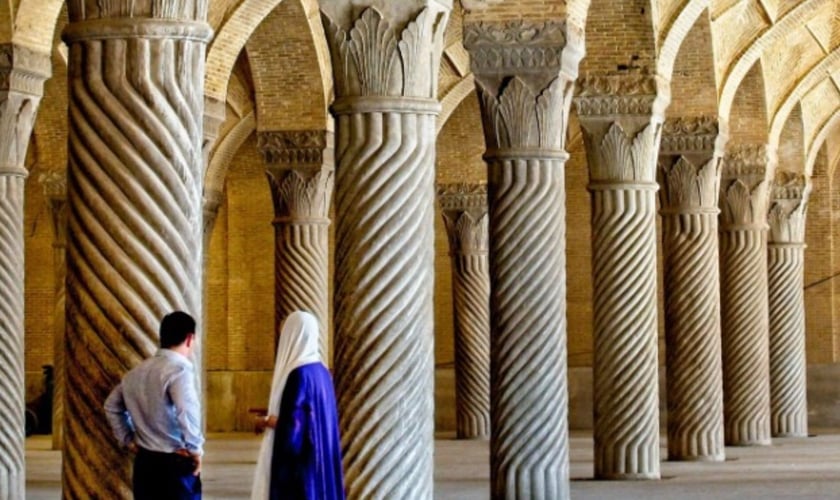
(692, 75)
(241, 24)
(214, 179)
(35, 23)
(813, 149)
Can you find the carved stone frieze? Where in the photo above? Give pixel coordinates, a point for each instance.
(376, 57)
(515, 46)
(746, 161)
(685, 186)
(788, 209)
(689, 136)
(599, 94)
(296, 148)
(23, 70)
(464, 208)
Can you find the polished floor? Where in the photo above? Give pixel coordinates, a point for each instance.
(790, 469)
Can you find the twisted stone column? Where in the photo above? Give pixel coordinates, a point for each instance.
(743, 282)
(55, 189)
(689, 180)
(300, 175)
(386, 67)
(465, 215)
(22, 74)
(136, 74)
(786, 304)
(524, 75)
(622, 143)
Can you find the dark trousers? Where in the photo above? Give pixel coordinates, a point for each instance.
(164, 476)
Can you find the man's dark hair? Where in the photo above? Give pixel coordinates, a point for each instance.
(175, 327)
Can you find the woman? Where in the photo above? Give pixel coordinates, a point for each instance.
(300, 456)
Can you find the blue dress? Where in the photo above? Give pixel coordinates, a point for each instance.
(306, 459)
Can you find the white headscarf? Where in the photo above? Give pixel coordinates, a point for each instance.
(298, 346)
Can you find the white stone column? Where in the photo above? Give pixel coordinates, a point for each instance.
(55, 190)
(786, 304)
(743, 282)
(464, 208)
(622, 143)
(300, 176)
(386, 57)
(22, 75)
(135, 175)
(689, 181)
(524, 74)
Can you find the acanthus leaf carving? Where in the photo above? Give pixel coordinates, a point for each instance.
(743, 204)
(373, 58)
(465, 214)
(180, 10)
(619, 158)
(688, 187)
(788, 208)
(300, 194)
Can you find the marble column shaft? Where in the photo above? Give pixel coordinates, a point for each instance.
(622, 143)
(300, 176)
(22, 74)
(786, 304)
(689, 181)
(744, 313)
(55, 189)
(135, 175)
(464, 208)
(386, 60)
(525, 95)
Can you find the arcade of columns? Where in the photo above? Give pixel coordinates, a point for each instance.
(134, 221)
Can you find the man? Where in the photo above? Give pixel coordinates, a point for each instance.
(155, 412)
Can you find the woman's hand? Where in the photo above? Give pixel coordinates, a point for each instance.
(267, 421)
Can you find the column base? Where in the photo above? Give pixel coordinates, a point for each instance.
(632, 476)
(720, 457)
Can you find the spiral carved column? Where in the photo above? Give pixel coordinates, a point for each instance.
(55, 189)
(785, 276)
(689, 180)
(21, 86)
(465, 215)
(300, 175)
(136, 75)
(524, 75)
(386, 68)
(622, 157)
(744, 314)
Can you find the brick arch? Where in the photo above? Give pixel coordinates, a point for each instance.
(456, 95)
(35, 23)
(674, 33)
(790, 152)
(748, 124)
(289, 91)
(240, 26)
(813, 149)
(217, 169)
(816, 75)
(734, 75)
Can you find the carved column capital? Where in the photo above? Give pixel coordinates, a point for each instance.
(788, 209)
(623, 154)
(55, 189)
(524, 92)
(296, 148)
(464, 208)
(170, 10)
(686, 187)
(389, 50)
(23, 70)
(744, 189)
(604, 96)
(690, 136)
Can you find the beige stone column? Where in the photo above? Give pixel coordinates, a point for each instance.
(135, 173)
(743, 284)
(300, 176)
(464, 209)
(525, 92)
(386, 57)
(689, 181)
(22, 75)
(622, 143)
(55, 189)
(786, 304)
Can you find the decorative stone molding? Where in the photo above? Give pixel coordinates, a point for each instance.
(23, 70)
(599, 95)
(465, 214)
(686, 188)
(296, 148)
(172, 10)
(377, 58)
(686, 136)
(788, 202)
(515, 46)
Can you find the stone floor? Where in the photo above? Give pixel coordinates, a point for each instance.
(790, 469)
